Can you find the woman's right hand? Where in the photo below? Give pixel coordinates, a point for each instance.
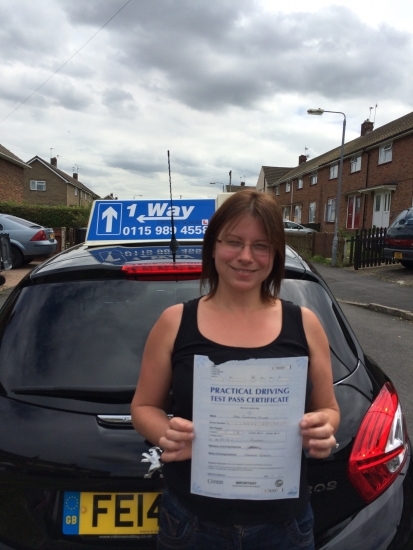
(177, 441)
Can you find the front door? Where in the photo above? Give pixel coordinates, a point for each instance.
(381, 209)
(353, 212)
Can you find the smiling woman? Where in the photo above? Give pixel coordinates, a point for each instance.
(243, 321)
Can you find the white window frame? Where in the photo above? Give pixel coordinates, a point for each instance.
(311, 212)
(287, 186)
(333, 171)
(355, 164)
(287, 212)
(37, 185)
(386, 153)
(76, 191)
(277, 190)
(330, 210)
(300, 183)
(297, 213)
(313, 178)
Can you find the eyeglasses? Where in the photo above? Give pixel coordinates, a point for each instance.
(236, 246)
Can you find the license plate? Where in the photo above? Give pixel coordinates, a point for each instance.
(110, 513)
(398, 255)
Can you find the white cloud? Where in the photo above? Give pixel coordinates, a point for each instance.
(222, 85)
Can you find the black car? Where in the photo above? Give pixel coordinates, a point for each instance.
(74, 474)
(398, 243)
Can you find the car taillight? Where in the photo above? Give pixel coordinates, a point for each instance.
(405, 243)
(380, 447)
(40, 236)
(164, 271)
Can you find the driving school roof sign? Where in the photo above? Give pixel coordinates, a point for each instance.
(130, 221)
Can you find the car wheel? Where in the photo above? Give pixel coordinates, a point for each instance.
(16, 257)
(27, 261)
(2, 279)
(407, 264)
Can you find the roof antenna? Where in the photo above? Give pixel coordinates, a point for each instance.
(173, 245)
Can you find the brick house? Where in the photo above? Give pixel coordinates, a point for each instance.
(45, 183)
(377, 180)
(11, 176)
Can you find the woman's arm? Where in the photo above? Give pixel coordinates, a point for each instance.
(320, 424)
(147, 409)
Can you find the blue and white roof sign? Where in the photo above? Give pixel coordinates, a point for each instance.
(131, 221)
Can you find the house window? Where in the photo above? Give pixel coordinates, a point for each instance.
(287, 186)
(385, 153)
(297, 213)
(277, 189)
(311, 212)
(75, 191)
(286, 212)
(300, 183)
(330, 213)
(313, 179)
(333, 171)
(355, 164)
(36, 185)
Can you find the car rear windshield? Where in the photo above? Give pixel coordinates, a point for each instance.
(21, 221)
(404, 218)
(92, 333)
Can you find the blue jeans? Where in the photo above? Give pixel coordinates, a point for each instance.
(179, 529)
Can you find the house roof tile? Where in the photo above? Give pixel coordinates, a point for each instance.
(64, 176)
(389, 131)
(11, 157)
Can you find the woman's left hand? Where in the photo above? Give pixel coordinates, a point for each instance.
(318, 434)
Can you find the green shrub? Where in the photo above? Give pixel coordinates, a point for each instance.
(48, 216)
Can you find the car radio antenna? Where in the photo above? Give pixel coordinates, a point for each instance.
(173, 245)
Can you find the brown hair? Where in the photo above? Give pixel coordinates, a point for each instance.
(261, 206)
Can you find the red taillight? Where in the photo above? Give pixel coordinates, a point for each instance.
(40, 236)
(380, 447)
(164, 270)
(401, 243)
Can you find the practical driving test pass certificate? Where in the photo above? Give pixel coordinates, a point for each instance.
(246, 418)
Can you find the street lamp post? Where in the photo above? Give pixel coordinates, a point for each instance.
(339, 179)
(220, 183)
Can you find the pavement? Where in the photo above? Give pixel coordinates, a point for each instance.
(386, 288)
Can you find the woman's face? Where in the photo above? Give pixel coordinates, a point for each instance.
(243, 254)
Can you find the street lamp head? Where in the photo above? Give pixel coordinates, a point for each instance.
(315, 111)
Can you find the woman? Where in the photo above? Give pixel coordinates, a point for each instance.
(240, 318)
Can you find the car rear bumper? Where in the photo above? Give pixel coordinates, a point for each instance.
(376, 525)
(41, 248)
(398, 254)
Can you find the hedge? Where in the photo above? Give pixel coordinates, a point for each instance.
(48, 216)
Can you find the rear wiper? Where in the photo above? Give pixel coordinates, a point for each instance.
(97, 394)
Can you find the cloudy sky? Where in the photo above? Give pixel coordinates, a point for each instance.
(109, 86)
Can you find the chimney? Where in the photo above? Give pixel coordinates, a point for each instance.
(302, 158)
(366, 127)
(242, 183)
(53, 161)
(75, 176)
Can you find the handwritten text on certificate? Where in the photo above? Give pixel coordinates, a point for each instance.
(247, 438)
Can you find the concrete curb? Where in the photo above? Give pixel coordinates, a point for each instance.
(401, 313)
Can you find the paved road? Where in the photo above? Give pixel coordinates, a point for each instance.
(388, 289)
(387, 340)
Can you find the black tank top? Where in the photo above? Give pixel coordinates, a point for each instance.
(291, 342)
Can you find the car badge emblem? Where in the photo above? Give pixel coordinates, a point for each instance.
(154, 457)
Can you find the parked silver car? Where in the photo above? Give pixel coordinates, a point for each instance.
(28, 240)
(293, 227)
